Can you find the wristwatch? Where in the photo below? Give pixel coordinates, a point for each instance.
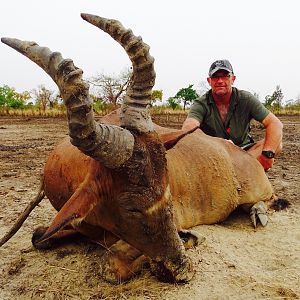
(268, 153)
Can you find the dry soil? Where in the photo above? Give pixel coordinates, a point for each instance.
(236, 261)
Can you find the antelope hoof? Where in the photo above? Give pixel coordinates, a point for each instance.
(111, 271)
(191, 238)
(258, 213)
(117, 268)
(178, 271)
(37, 234)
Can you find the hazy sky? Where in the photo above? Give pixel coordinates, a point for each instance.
(261, 38)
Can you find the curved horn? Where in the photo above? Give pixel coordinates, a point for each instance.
(112, 145)
(134, 112)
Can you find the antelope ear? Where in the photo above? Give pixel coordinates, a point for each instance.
(73, 211)
(170, 139)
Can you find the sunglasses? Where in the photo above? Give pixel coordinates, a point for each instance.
(223, 77)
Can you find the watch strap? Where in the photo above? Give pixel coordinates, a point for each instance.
(268, 153)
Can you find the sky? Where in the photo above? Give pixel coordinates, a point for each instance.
(261, 39)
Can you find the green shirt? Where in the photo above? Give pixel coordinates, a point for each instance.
(243, 108)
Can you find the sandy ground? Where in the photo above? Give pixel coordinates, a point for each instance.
(235, 261)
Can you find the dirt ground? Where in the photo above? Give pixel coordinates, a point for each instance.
(234, 262)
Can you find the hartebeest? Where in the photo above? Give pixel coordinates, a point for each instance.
(131, 184)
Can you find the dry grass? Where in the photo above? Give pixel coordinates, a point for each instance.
(155, 110)
(33, 113)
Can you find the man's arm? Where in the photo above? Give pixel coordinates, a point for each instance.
(190, 123)
(273, 139)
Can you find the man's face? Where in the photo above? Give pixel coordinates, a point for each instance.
(221, 82)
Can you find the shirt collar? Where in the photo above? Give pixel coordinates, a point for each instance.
(233, 98)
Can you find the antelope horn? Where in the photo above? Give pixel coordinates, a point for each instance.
(111, 145)
(134, 113)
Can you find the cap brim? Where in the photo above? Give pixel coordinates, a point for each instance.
(212, 72)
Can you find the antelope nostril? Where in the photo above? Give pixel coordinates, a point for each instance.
(134, 210)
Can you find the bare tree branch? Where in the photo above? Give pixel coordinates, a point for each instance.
(111, 89)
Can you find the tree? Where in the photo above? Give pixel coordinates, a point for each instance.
(186, 95)
(56, 101)
(173, 103)
(10, 98)
(274, 100)
(44, 98)
(156, 96)
(98, 104)
(111, 89)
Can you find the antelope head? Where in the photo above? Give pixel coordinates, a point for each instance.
(133, 151)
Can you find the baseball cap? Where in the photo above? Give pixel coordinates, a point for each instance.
(222, 64)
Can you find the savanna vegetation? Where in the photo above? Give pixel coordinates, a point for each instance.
(107, 92)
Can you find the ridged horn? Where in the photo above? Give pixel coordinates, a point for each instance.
(111, 145)
(134, 112)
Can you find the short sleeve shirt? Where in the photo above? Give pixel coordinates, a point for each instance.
(243, 108)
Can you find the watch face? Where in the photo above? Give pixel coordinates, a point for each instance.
(268, 154)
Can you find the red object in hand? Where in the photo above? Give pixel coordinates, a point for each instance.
(267, 163)
(228, 130)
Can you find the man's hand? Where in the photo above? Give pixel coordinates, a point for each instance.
(229, 141)
(267, 163)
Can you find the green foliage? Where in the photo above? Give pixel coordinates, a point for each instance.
(173, 103)
(9, 98)
(16, 103)
(186, 95)
(156, 95)
(274, 100)
(98, 104)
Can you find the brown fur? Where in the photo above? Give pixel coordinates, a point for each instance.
(128, 187)
(201, 180)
